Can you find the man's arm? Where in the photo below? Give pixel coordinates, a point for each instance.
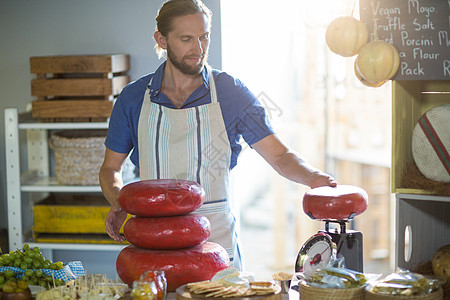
(291, 165)
(110, 177)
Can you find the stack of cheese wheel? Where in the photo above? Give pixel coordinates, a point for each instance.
(166, 235)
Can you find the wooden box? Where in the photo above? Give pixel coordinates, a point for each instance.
(410, 100)
(77, 88)
(71, 218)
(422, 226)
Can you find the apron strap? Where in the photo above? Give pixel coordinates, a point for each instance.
(212, 85)
(144, 138)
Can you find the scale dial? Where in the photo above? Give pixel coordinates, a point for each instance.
(315, 253)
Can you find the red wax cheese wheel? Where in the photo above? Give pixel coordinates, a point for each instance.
(335, 203)
(167, 232)
(181, 266)
(161, 197)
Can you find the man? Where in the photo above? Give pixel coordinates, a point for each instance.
(185, 120)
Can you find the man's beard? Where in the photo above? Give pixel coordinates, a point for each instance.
(184, 67)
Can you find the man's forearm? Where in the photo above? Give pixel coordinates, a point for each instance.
(111, 184)
(295, 168)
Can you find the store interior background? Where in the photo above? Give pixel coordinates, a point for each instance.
(277, 48)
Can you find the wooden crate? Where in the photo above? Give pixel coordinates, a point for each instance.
(115, 63)
(71, 218)
(410, 100)
(77, 87)
(422, 226)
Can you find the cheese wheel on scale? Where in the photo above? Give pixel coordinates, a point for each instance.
(342, 202)
(431, 143)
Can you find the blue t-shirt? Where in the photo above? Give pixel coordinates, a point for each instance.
(242, 112)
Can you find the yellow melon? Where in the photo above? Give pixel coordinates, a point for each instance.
(346, 35)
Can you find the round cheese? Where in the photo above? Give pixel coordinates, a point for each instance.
(167, 232)
(342, 202)
(180, 266)
(431, 143)
(161, 197)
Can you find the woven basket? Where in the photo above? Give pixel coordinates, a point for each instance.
(78, 156)
(308, 292)
(437, 295)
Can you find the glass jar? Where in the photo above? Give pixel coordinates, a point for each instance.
(152, 285)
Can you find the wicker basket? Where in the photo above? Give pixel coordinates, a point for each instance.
(78, 156)
(308, 292)
(437, 295)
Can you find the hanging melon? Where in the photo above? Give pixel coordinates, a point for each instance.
(346, 35)
(377, 61)
(365, 82)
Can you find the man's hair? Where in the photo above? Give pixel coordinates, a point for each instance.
(172, 9)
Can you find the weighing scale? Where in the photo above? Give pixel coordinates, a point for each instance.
(338, 205)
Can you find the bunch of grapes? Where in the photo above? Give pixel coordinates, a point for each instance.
(28, 258)
(36, 277)
(31, 261)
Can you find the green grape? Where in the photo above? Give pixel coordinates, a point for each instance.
(17, 263)
(36, 264)
(9, 274)
(52, 267)
(28, 259)
(49, 278)
(59, 265)
(2, 279)
(30, 253)
(59, 282)
(42, 283)
(36, 249)
(13, 255)
(29, 273)
(24, 266)
(21, 284)
(6, 259)
(9, 287)
(46, 264)
(38, 273)
(26, 247)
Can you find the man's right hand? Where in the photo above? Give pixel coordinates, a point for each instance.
(114, 221)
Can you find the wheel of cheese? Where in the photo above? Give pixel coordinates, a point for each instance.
(342, 202)
(161, 197)
(431, 143)
(167, 232)
(180, 266)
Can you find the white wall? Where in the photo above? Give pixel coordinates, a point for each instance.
(63, 27)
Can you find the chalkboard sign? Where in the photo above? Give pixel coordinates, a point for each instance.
(419, 30)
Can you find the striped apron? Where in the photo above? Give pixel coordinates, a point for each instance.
(192, 144)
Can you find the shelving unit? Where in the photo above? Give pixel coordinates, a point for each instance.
(422, 218)
(36, 180)
(422, 226)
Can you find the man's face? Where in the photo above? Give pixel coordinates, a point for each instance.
(188, 43)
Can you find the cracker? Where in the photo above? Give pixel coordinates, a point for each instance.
(219, 292)
(281, 276)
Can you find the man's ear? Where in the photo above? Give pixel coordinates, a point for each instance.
(160, 40)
